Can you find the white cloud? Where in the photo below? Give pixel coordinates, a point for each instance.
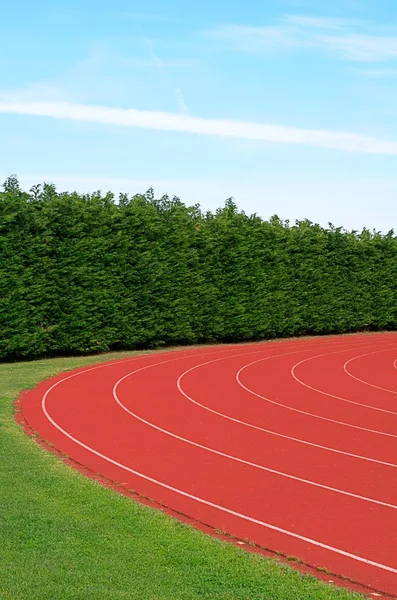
(349, 39)
(337, 140)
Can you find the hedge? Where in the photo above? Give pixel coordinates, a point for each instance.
(85, 273)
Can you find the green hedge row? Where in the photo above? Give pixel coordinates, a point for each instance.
(87, 273)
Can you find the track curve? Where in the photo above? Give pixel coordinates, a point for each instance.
(291, 444)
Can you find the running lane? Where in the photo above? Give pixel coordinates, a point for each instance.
(271, 442)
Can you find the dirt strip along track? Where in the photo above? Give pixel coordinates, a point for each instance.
(289, 444)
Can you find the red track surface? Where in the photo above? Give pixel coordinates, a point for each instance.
(290, 444)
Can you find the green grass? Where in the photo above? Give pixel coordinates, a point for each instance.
(65, 537)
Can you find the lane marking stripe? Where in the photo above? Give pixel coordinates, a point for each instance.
(202, 500)
(344, 367)
(235, 458)
(367, 382)
(269, 431)
(303, 412)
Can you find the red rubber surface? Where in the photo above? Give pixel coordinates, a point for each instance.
(290, 444)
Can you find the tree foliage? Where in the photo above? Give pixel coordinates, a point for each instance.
(89, 273)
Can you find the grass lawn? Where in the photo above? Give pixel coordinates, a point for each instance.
(65, 537)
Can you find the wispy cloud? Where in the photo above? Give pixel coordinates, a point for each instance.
(337, 140)
(349, 39)
(319, 22)
(378, 73)
(156, 60)
(168, 63)
(103, 55)
(181, 101)
(160, 64)
(108, 74)
(137, 16)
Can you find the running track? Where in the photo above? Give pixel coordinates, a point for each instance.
(290, 444)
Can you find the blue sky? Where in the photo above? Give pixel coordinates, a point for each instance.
(289, 106)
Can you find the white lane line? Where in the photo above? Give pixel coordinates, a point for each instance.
(294, 375)
(367, 382)
(304, 412)
(202, 500)
(269, 431)
(229, 456)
